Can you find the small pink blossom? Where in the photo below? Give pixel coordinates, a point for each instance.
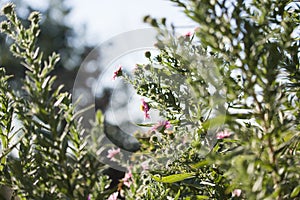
(188, 34)
(161, 126)
(145, 108)
(223, 134)
(236, 193)
(117, 73)
(89, 197)
(112, 152)
(113, 196)
(127, 180)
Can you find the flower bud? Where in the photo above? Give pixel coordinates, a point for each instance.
(8, 9)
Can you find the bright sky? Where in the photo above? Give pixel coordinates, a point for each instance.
(105, 19)
(102, 19)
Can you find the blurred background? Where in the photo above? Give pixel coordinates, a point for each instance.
(74, 28)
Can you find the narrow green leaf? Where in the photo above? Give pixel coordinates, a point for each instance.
(99, 117)
(295, 191)
(177, 195)
(44, 84)
(199, 197)
(173, 178)
(145, 125)
(214, 122)
(59, 100)
(199, 164)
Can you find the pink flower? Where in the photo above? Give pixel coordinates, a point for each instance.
(236, 193)
(145, 108)
(188, 34)
(89, 197)
(112, 152)
(113, 196)
(161, 126)
(127, 180)
(223, 134)
(117, 73)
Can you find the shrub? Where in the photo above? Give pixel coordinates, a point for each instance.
(52, 161)
(229, 93)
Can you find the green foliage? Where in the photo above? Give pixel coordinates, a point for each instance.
(248, 52)
(255, 46)
(173, 178)
(52, 161)
(264, 52)
(6, 131)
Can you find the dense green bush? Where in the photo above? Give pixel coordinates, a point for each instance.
(255, 47)
(242, 139)
(52, 162)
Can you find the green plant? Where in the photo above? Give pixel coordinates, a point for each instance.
(52, 161)
(229, 93)
(255, 47)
